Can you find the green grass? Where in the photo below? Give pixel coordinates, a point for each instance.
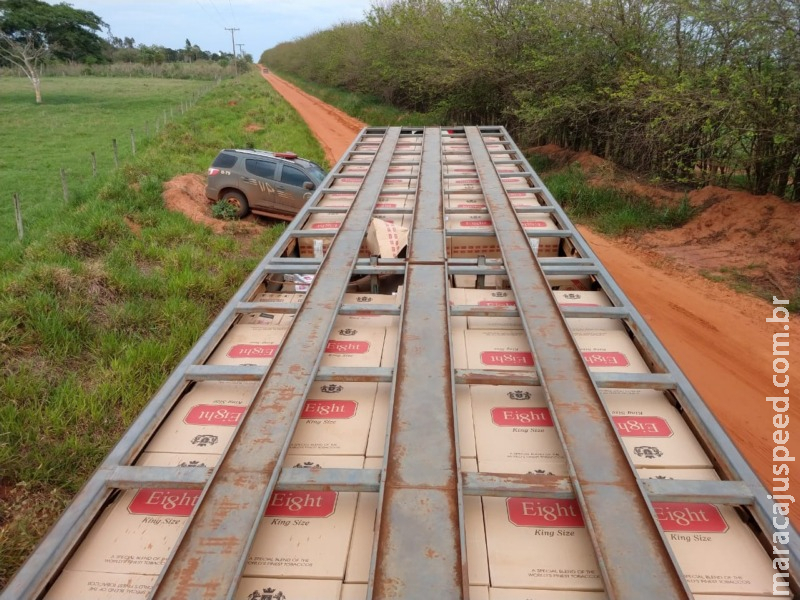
(368, 109)
(100, 302)
(78, 116)
(611, 211)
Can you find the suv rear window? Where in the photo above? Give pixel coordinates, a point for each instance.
(224, 161)
(261, 168)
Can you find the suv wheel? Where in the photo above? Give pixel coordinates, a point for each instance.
(238, 200)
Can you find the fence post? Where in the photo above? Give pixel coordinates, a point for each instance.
(116, 155)
(64, 187)
(94, 165)
(165, 117)
(18, 213)
(133, 143)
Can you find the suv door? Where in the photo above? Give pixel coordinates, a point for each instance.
(259, 183)
(291, 193)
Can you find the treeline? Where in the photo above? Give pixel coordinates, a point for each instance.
(704, 91)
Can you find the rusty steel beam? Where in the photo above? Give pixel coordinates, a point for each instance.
(633, 555)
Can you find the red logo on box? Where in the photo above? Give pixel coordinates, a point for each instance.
(543, 512)
(164, 502)
(212, 414)
(507, 359)
(642, 427)
(514, 417)
(690, 516)
(329, 409)
(497, 303)
(252, 351)
(482, 223)
(568, 303)
(302, 504)
(326, 225)
(346, 347)
(534, 224)
(605, 359)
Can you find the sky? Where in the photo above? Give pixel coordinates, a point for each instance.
(261, 24)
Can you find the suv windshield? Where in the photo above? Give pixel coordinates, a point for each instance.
(316, 172)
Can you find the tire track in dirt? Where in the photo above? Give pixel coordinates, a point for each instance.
(718, 337)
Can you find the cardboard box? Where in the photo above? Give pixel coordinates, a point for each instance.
(467, 201)
(609, 352)
(258, 588)
(716, 551)
(475, 532)
(455, 298)
(535, 542)
(136, 533)
(322, 461)
(178, 459)
(497, 350)
(473, 246)
(360, 555)
(270, 318)
(248, 345)
(335, 419)
(376, 441)
(652, 430)
(466, 427)
(324, 223)
(518, 594)
(478, 592)
(588, 299)
(84, 585)
(514, 431)
(525, 199)
(368, 300)
(304, 534)
(354, 591)
(570, 282)
(205, 418)
(353, 182)
(492, 298)
(354, 346)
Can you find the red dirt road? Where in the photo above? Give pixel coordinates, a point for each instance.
(334, 129)
(718, 337)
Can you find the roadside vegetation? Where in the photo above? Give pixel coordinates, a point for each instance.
(612, 211)
(693, 92)
(105, 296)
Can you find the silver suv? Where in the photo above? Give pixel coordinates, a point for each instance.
(271, 183)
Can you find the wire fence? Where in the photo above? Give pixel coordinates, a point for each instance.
(149, 129)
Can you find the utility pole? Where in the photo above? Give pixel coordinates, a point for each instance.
(233, 47)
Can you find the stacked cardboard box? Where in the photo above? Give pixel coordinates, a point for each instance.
(716, 551)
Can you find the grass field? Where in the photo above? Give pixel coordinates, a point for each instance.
(106, 293)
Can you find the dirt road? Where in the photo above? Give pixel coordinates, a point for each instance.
(719, 338)
(334, 129)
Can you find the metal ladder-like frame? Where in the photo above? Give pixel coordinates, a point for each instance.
(419, 548)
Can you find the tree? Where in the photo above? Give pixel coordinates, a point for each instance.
(32, 30)
(27, 56)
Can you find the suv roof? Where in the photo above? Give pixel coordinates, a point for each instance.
(290, 157)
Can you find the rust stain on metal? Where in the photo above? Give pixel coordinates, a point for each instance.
(431, 553)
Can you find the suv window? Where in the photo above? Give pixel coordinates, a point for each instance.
(224, 161)
(293, 176)
(261, 168)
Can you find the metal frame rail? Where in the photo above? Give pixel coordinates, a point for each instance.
(419, 549)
